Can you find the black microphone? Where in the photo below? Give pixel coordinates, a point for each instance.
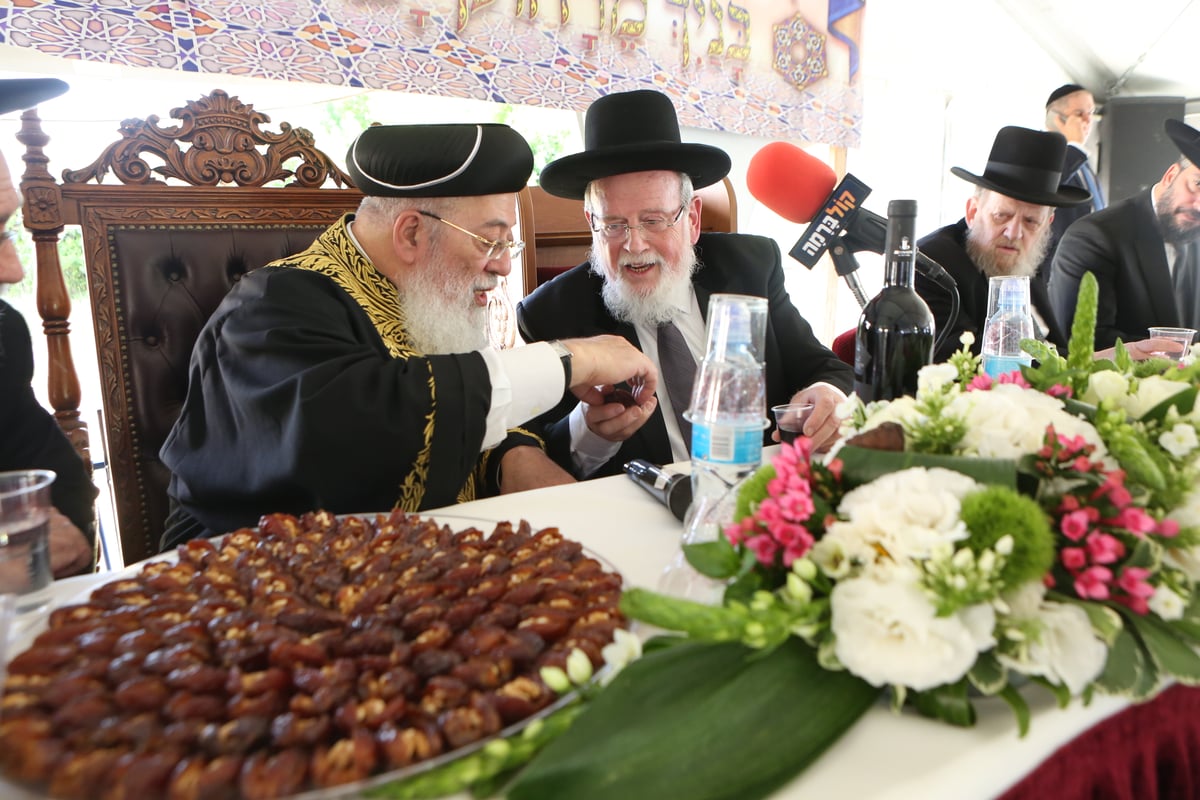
(674, 490)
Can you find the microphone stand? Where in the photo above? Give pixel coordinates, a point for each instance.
(845, 263)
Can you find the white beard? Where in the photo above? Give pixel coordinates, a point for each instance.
(653, 309)
(440, 316)
(1027, 261)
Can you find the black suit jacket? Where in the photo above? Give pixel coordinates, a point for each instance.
(1123, 248)
(570, 306)
(947, 246)
(1074, 164)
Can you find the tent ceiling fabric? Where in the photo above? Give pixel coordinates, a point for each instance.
(1117, 48)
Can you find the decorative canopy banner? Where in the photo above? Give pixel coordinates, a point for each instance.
(771, 68)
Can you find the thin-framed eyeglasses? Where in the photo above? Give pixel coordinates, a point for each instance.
(494, 249)
(654, 226)
(1079, 113)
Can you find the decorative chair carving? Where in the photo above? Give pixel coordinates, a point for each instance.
(159, 259)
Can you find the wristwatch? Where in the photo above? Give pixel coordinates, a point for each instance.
(564, 355)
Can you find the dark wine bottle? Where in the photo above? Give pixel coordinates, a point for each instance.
(895, 332)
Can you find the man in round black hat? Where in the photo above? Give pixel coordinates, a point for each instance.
(1005, 231)
(1143, 250)
(357, 376)
(650, 274)
(30, 438)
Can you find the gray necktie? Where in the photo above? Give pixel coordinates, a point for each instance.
(678, 372)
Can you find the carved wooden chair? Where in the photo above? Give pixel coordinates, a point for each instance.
(159, 259)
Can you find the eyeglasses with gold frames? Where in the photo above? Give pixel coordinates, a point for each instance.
(494, 249)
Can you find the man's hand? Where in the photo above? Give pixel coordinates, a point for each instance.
(600, 362)
(1144, 349)
(70, 553)
(613, 419)
(823, 423)
(528, 467)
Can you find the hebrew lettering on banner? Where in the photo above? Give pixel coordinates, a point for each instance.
(771, 68)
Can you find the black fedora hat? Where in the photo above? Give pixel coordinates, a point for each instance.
(1186, 138)
(17, 94)
(1027, 165)
(632, 132)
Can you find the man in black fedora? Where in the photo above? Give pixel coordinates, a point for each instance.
(1005, 232)
(30, 438)
(649, 278)
(1144, 252)
(356, 375)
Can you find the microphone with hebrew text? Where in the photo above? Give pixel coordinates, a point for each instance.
(801, 189)
(674, 490)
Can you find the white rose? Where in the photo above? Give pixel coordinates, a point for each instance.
(1105, 385)
(906, 513)
(933, 377)
(1009, 421)
(1180, 440)
(1187, 513)
(1166, 603)
(889, 633)
(1151, 391)
(1067, 650)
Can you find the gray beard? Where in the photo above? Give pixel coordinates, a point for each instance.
(984, 257)
(436, 319)
(649, 310)
(1174, 234)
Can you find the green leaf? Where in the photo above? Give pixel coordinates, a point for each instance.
(1171, 654)
(947, 703)
(1083, 328)
(1105, 622)
(862, 465)
(1019, 708)
(988, 675)
(1183, 402)
(717, 559)
(712, 724)
(1125, 666)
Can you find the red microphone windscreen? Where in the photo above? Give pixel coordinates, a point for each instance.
(789, 181)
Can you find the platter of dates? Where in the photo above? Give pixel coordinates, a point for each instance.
(313, 657)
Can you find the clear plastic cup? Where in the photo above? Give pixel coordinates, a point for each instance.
(790, 419)
(25, 537)
(1176, 341)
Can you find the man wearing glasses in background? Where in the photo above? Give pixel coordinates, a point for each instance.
(1071, 111)
(356, 376)
(650, 274)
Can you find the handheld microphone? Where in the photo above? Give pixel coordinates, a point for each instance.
(801, 189)
(672, 490)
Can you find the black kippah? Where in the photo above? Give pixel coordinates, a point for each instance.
(1063, 91)
(452, 160)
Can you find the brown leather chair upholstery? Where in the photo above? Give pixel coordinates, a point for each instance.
(159, 259)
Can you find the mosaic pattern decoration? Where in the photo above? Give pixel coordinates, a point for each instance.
(757, 67)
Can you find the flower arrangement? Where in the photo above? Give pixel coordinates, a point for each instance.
(1043, 528)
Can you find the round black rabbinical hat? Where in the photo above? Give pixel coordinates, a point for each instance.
(1186, 138)
(1027, 165)
(17, 94)
(444, 160)
(634, 131)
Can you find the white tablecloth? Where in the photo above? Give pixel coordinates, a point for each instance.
(885, 756)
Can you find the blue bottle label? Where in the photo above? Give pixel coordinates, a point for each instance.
(726, 444)
(996, 366)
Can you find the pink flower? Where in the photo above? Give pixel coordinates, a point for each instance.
(1135, 520)
(1075, 525)
(1093, 582)
(764, 548)
(1016, 378)
(1058, 390)
(735, 531)
(1104, 548)
(1168, 528)
(1074, 558)
(982, 382)
(1137, 590)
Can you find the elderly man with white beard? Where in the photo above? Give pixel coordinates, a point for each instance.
(356, 376)
(650, 274)
(1005, 231)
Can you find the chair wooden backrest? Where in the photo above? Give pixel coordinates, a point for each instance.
(159, 259)
(561, 238)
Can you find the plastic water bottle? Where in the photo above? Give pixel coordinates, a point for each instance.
(728, 413)
(1009, 321)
